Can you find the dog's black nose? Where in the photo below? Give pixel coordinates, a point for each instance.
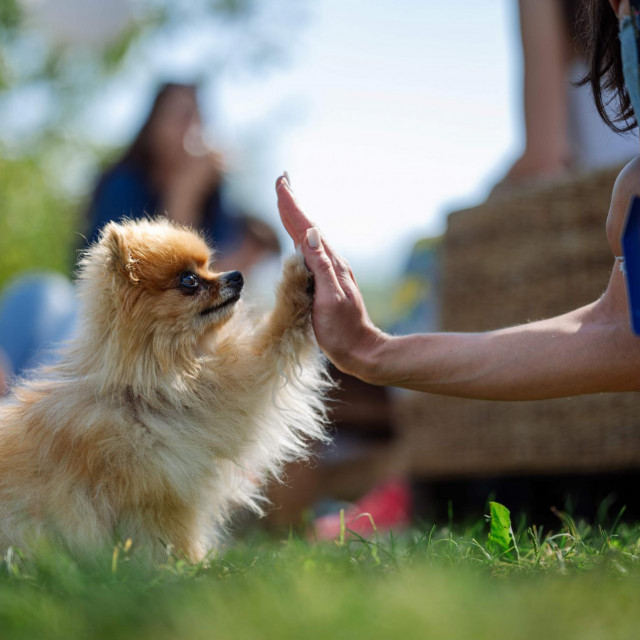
(233, 278)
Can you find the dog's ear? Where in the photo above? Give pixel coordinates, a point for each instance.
(119, 255)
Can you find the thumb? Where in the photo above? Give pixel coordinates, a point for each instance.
(320, 265)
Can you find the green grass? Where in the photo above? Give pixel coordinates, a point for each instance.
(38, 226)
(579, 582)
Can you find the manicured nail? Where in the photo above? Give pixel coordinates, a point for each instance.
(313, 237)
(285, 175)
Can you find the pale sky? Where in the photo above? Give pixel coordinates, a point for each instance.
(387, 114)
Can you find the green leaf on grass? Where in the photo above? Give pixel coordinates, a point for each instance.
(500, 536)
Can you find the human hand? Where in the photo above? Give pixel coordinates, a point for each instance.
(340, 320)
(193, 180)
(199, 173)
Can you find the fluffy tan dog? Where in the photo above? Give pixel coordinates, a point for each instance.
(167, 409)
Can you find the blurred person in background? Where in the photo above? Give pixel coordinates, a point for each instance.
(563, 131)
(169, 170)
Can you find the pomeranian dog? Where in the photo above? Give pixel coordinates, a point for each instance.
(168, 409)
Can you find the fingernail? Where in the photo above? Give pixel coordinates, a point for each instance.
(282, 180)
(285, 175)
(313, 237)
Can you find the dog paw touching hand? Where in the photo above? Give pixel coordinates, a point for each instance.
(295, 293)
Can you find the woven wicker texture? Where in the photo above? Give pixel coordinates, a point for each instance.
(534, 255)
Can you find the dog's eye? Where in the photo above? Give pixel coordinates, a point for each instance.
(189, 282)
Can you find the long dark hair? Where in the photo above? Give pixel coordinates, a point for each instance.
(139, 152)
(598, 25)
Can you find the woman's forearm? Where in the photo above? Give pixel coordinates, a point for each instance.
(588, 350)
(585, 351)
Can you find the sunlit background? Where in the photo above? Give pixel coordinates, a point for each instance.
(385, 114)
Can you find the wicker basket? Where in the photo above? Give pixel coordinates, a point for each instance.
(534, 255)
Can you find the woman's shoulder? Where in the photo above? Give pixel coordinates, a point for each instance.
(626, 186)
(121, 191)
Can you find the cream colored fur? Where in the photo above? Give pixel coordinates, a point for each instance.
(158, 422)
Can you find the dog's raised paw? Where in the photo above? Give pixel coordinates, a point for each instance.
(297, 285)
(296, 274)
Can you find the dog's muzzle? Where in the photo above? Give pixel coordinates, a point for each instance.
(232, 280)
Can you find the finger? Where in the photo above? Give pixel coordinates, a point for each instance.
(327, 286)
(340, 266)
(293, 218)
(297, 225)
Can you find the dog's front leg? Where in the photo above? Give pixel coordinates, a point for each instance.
(288, 331)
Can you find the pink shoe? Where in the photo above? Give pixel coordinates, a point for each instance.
(386, 507)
